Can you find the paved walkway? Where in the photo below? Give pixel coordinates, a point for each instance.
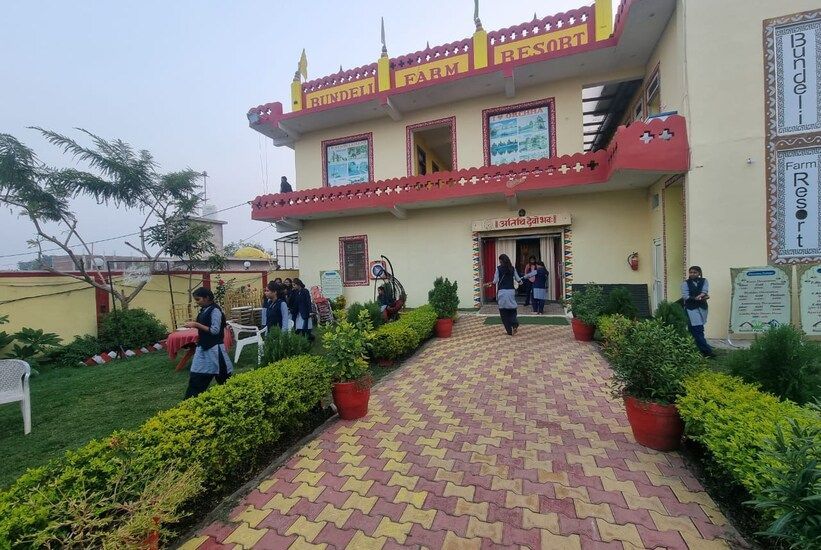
(481, 441)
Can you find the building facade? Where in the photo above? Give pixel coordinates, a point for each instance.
(589, 139)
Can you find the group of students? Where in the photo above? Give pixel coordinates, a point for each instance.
(287, 304)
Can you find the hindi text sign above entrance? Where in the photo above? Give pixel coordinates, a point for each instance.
(521, 222)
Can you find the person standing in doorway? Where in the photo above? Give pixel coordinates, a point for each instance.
(210, 357)
(695, 292)
(539, 278)
(504, 278)
(302, 309)
(284, 186)
(527, 282)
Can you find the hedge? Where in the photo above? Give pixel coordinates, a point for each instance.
(734, 421)
(401, 337)
(186, 454)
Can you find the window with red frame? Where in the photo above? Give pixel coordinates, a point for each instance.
(353, 260)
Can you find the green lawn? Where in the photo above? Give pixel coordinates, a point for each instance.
(71, 406)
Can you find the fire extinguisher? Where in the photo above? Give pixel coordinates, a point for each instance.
(633, 261)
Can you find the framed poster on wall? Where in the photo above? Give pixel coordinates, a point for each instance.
(347, 160)
(519, 132)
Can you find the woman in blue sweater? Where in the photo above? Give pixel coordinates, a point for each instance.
(539, 287)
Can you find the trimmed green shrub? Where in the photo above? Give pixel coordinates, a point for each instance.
(794, 501)
(444, 297)
(373, 309)
(619, 302)
(587, 304)
(346, 348)
(783, 361)
(652, 362)
(735, 421)
(74, 353)
(672, 314)
(394, 340)
(281, 345)
(614, 329)
(214, 436)
(421, 320)
(130, 328)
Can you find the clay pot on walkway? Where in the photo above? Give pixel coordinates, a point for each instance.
(581, 331)
(351, 399)
(656, 426)
(444, 328)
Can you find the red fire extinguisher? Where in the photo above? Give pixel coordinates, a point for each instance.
(633, 261)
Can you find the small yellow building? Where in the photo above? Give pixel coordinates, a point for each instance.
(683, 131)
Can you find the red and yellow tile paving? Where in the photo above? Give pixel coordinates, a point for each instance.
(482, 441)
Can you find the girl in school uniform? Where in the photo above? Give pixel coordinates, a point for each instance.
(539, 277)
(302, 309)
(275, 309)
(506, 293)
(211, 359)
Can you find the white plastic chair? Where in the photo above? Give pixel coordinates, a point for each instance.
(239, 343)
(14, 386)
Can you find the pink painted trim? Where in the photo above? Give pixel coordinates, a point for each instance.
(342, 241)
(338, 78)
(549, 102)
(640, 146)
(20, 274)
(410, 128)
(347, 139)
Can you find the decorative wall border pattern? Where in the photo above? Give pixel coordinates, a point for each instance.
(336, 141)
(477, 271)
(549, 102)
(410, 157)
(567, 243)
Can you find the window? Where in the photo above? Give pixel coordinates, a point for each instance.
(353, 260)
(519, 132)
(653, 95)
(431, 146)
(347, 160)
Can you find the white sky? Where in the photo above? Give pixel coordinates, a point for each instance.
(177, 78)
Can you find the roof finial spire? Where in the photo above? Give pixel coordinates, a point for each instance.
(384, 47)
(301, 67)
(476, 15)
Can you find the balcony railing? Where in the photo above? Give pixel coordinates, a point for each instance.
(658, 146)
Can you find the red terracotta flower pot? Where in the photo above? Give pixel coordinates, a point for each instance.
(386, 363)
(351, 399)
(581, 331)
(656, 426)
(444, 328)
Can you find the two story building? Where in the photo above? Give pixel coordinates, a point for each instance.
(589, 139)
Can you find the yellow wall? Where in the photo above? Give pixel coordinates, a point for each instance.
(389, 137)
(674, 242)
(606, 228)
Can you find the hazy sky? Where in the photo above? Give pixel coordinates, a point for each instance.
(177, 78)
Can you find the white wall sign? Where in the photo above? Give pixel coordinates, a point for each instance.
(331, 283)
(521, 222)
(798, 219)
(348, 163)
(136, 274)
(760, 299)
(809, 293)
(520, 135)
(798, 74)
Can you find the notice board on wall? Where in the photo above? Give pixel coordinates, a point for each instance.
(809, 299)
(761, 299)
(331, 283)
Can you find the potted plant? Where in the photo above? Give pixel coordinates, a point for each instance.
(445, 301)
(346, 349)
(648, 370)
(586, 305)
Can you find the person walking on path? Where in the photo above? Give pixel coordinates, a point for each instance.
(211, 359)
(695, 292)
(539, 278)
(274, 309)
(302, 309)
(527, 282)
(506, 294)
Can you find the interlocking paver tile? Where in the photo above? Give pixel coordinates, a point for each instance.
(473, 444)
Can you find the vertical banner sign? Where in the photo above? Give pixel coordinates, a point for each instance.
(798, 172)
(798, 74)
(760, 299)
(809, 299)
(792, 75)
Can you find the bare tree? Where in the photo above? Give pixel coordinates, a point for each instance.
(118, 176)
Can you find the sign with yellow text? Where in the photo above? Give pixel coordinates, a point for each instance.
(342, 92)
(521, 222)
(434, 70)
(541, 44)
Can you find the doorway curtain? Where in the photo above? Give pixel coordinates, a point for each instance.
(547, 250)
(506, 246)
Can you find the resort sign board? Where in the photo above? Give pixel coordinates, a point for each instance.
(541, 44)
(760, 299)
(419, 74)
(809, 294)
(521, 222)
(342, 92)
(797, 77)
(798, 206)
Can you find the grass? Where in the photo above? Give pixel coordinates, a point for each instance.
(71, 406)
(546, 320)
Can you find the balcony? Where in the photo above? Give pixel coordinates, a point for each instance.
(637, 156)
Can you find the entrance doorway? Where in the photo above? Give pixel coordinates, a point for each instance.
(546, 248)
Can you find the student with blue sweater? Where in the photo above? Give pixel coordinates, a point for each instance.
(275, 312)
(211, 359)
(539, 289)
